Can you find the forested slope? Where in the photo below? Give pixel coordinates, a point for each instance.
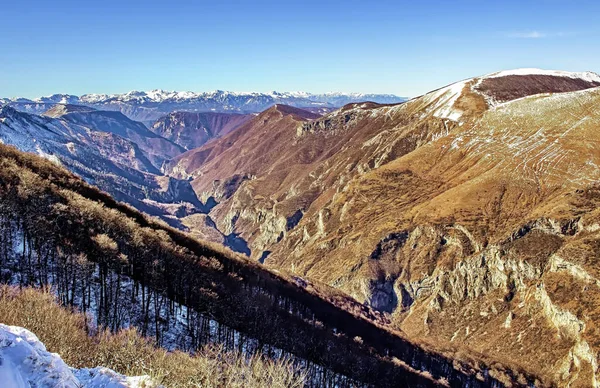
(67, 334)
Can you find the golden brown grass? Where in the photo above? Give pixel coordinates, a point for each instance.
(127, 352)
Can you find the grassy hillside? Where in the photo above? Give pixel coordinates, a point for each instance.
(109, 259)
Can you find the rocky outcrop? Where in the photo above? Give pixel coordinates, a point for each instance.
(329, 124)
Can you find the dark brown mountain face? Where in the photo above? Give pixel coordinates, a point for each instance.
(192, 130)
(512, 87)
(467, 215)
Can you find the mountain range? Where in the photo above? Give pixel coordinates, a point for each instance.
(466, 218)
(149, 106)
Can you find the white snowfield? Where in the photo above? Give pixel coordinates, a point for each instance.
(445, 99)
(25, 363)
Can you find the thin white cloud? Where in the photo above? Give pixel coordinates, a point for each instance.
(527, 35)
(537, 34)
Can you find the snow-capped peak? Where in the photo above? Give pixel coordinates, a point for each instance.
(441, 102)
(150, 105)
(58, 99)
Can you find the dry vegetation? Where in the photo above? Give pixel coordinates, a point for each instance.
(485, 184)
(127, 352)
(501, 254)
(102, 256)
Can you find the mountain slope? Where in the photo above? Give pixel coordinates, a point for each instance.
(156, 148)
(483, 238)
(65, 333)
(467, 214)
(129, 270)
(192, 130)
(106, 159)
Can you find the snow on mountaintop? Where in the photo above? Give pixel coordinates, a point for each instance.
(159, 95)
(444, 101)
(25, 363)
(151, 105)
(497, 88)
(57, 99)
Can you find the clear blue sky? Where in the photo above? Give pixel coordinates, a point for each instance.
(402, 47)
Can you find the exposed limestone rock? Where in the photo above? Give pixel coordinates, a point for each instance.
(568, 325)
(324, 215)
(509, 318)
(565, 322)
(328, 125)
(579, 358)
(557, 264)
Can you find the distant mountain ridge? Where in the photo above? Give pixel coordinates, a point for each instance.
(151, 105)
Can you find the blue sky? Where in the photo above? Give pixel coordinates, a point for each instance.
(401, 47)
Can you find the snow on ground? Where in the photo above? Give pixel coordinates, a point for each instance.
(25, 363)
(450, 94)
(442, 101)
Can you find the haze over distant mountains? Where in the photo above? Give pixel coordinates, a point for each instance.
(149, 106)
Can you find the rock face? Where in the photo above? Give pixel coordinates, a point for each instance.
(192, 130)
(59, 110)
(468, 214)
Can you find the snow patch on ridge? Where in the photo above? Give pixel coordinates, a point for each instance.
(443, 101)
